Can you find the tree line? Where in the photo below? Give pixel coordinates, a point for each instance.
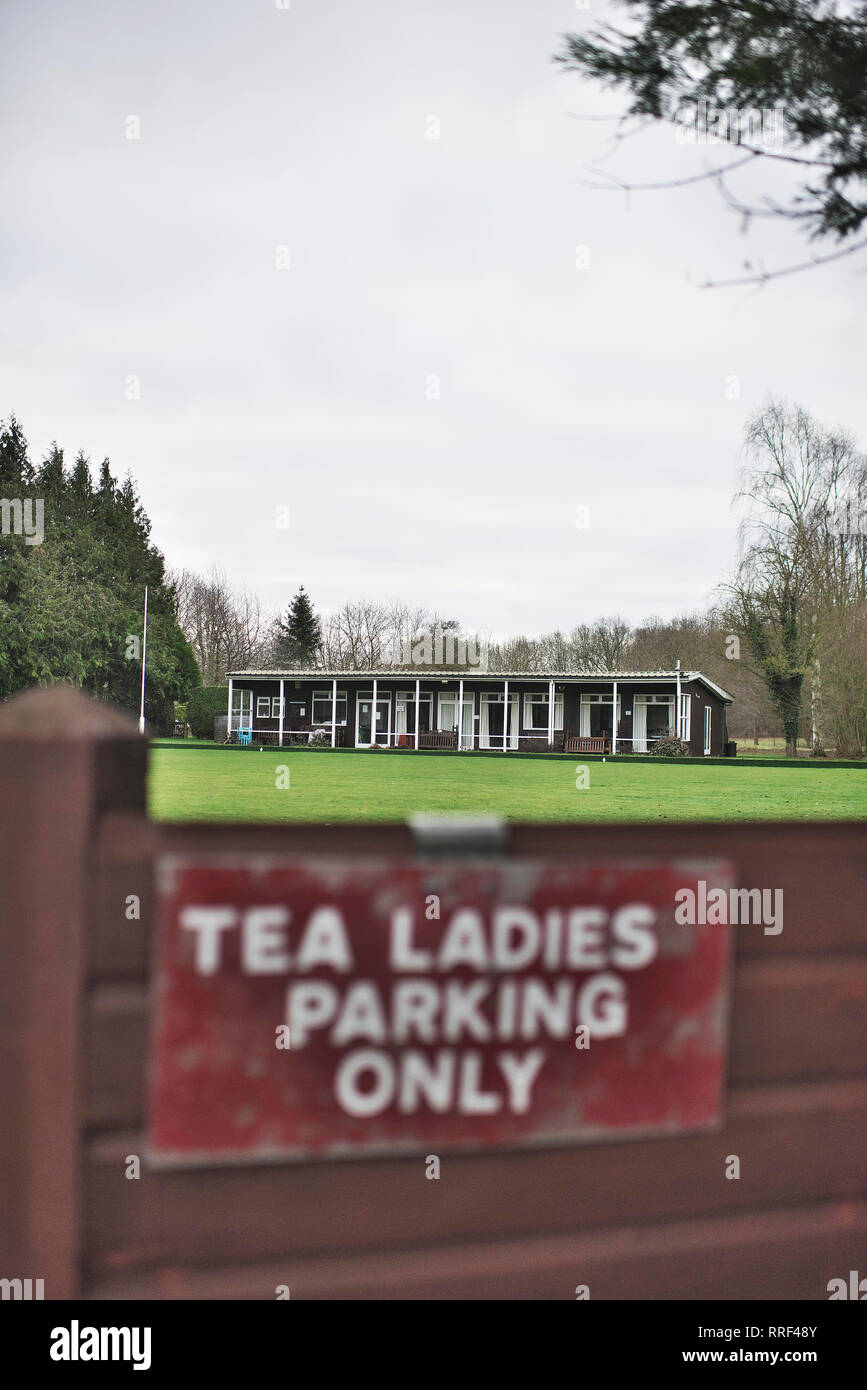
(786, 635)
(72, 588)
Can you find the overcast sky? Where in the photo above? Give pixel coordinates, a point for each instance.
(417, 265)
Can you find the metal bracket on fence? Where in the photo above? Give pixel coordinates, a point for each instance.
(460, 834)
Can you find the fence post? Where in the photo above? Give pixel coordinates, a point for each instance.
(64, 760)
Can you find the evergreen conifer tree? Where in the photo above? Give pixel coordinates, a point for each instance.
(298, 637)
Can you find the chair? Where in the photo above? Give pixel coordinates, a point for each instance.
(245, 735)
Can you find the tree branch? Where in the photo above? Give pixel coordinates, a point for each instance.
(767, 275)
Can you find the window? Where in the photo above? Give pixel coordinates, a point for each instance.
(322, 703)
(404, 713)
(447, 715)
(685, 713)
(242, 708)
(653, 718)
(268, 707)
(492, 710)
(536, 711)
(596, 715)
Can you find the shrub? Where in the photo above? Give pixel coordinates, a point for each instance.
(203, 705)
(670, 747)
(320, 738)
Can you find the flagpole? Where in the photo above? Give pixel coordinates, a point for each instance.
(144, 653)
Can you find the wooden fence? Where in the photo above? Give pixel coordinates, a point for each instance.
(644, 1219)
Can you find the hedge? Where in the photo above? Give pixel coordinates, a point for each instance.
(203, 705)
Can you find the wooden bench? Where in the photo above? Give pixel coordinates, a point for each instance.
(438, 738)
(588, 745)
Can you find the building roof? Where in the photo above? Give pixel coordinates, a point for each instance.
(471, 673)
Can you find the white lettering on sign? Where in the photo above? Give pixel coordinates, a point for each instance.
(264, 938)
(451, 1081)
(368, 1019)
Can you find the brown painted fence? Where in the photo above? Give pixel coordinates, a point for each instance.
(653, 1218)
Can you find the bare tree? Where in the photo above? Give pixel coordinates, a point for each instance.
(602, 645)
(792, 565)
(805, 486)
(224, 628)
(356, 635)
(516, 654)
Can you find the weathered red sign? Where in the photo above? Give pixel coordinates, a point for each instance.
(330, 1007)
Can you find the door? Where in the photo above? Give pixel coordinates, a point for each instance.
(652, 719)
(639, 724)
(466, 738)
(708, 719)
(491, 722)
(364, 732)
(660, 719)
(242, 709)
(447, 717)
(597, 712)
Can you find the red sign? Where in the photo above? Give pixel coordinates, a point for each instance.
(331, 1007)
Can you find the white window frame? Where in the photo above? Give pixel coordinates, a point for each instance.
(450, 697)
(325, 697)
(531, 699)
(447, 697)
(407, 699)
(495, 697)
(669, 700)
(642, 698)
(260, 701)
(408, 696)
(242, 704)
(585, 702)
(541, 698)
(685, 716)
(708, 729)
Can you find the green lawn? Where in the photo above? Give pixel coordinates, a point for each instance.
(210, 784)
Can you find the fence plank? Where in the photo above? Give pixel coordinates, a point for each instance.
(63, 759)
(796, 1144)
(799, 1018)
(791, 1019)
(766, 1255)
(822, 910)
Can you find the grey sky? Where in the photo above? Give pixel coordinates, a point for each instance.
(410, 257)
